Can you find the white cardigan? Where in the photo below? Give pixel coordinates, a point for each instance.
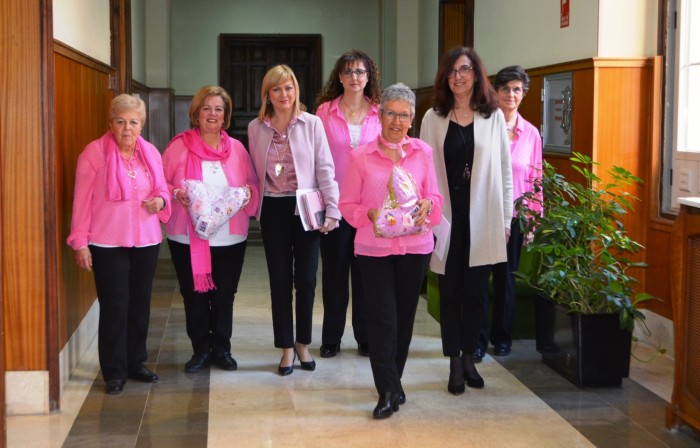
(491, 197)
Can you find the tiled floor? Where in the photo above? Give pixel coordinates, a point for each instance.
(524, 403)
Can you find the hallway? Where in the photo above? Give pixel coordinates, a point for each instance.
(524, 403)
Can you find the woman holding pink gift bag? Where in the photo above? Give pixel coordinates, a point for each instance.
(390, 195)
(208, 262)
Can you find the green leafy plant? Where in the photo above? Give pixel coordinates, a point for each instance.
(579, 242)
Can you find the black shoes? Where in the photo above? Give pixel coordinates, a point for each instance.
(143, 374)
(501, 349)
(386, 406)
(114, 387)
(363, 349)
(402, 397)
(305, 365)
(329, 350)
(471, 376)
(455, 385)
(197, 363)
(225, 361)
(287, 370)
(478, 355)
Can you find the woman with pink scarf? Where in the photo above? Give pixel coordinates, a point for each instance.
(208, 270)
(119, 201)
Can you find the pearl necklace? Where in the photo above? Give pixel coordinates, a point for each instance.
(130, 171)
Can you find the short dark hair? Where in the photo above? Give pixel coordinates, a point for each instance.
(511, 73)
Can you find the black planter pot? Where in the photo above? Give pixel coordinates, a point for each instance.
(590, 350)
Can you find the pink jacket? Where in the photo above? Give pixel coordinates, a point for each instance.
(339, 136)
(174, 161)
(313, 163)
(116, 223)
(366, 186)
(526, 158)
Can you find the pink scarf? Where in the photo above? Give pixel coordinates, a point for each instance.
(118, 183)
(198, 151)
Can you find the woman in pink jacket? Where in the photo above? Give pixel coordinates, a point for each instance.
(208, 270)
(290, 152)
(392, 265)
(119, 201)
(349, 110)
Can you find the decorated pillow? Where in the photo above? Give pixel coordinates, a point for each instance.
(397, 215)
(213, 206)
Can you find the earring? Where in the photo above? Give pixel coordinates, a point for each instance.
(268, 101)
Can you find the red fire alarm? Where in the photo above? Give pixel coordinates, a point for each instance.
(564, 19)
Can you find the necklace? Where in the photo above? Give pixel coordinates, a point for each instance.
(130, 171)
(510, 125)
(351, 114)
(467, 172)
(279, 166)
(213, 166)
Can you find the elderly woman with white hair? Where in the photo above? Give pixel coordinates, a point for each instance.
(390, 195)
(120, 200)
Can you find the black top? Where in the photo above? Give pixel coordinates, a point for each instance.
(459, 158)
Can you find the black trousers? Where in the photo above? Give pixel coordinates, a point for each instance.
(292, 262)
(123, 279)
(503, 293)
(339, 263)
(463, 290)
(209, 315)
(392, 286)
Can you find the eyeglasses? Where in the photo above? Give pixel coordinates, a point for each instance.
(516, 90)
(403, 118)
(358, 72)
(463, 71)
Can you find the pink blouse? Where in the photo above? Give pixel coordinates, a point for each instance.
(365, 187)
(526, 159)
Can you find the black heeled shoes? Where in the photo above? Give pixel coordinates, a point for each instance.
(305, 365)
(471, 376)
(286, 370)
(386, 406)
(455, 385)
(329, 350)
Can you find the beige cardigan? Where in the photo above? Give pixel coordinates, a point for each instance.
(491, 196)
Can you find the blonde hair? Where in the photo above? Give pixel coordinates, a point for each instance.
(275, 76)
(127, 103)
(201, 96)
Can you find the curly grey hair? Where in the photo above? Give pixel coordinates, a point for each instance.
(398, 92)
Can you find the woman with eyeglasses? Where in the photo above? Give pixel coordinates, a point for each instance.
(390, 195)
(511, 84)
(290, 151)
(467, 131)
(349, 110)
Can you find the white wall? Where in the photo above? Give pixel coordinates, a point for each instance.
(158, 45)
(527, 32)
(628, 28)
(84, 25)
(428, 30)
(196, 27)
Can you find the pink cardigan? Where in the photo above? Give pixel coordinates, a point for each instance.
(116, 223)
(339, 135)
(174, 161)
(313, 163)
(366, 186)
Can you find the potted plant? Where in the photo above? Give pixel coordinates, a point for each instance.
(581, 268)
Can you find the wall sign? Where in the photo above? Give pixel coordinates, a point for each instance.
(564, 16)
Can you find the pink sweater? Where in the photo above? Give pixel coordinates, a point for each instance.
(365, 187)
(174, 161)
(339, 136)
(116, 223)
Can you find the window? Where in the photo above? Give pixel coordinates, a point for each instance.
(685, 107)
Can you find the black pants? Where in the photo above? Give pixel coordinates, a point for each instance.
(292, 262)
(123, 279)
(463, 290)
(392, 286)
(339, 262)
(503, 293)
(209, 315)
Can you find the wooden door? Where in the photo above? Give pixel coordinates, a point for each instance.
(245, 58)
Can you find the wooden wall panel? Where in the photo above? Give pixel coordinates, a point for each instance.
(453, 26)
(23, 240)
(82, 97)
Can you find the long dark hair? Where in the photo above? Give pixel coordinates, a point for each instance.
(334, 88)
(483, 100)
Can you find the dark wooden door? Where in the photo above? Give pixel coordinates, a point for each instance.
(245, 58)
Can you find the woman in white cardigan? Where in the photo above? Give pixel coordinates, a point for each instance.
(471, 152)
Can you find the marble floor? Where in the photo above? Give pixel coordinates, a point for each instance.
(524, 403)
